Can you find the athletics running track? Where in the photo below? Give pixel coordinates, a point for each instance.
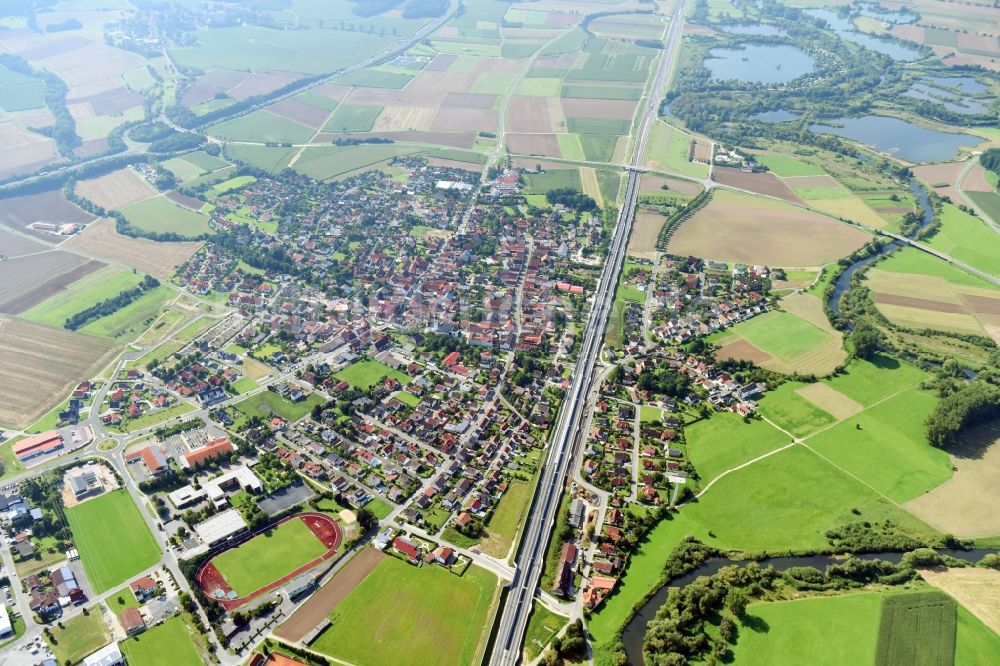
(217, 589)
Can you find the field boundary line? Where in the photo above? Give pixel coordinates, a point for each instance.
(746, 464)
(855, 477)
(869, 407)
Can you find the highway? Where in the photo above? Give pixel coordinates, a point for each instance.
(513, 616)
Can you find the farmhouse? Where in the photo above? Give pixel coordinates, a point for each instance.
(39, 445)
(220, 527)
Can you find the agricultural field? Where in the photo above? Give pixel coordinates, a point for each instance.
(725, 442)
(365, 374)
(113, 539)
(916, 628)
(406, 616)
(269, 556)
(740, 227)
(671, 149)
(961, 505)
(795, 338)
(268, 403)
(825, 497)
(824, 631)
(917, 291)
(967, 239)
(885, 447)
(130, 322)
(263, 127)
(28, 280)
(978, 591)
(789, 407)
(116, 190)
(80, 295)
(39, 365)
(167, 644)
(160, 215)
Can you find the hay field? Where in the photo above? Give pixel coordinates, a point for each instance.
(116, 190)
(158, 259)
(976, 589)
(946, 301)
(741, 227)
(797, 338)
(830, 400)
(39, 365)
(965, 504)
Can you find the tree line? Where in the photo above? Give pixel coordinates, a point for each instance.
(111, 305)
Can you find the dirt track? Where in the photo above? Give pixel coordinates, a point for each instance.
(321, 604)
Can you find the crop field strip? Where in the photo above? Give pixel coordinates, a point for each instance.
(916, 628)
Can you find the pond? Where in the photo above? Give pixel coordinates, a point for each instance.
(759, 63)
(777, 116)
(846, 30)
(965, 84)
(760, 29)
(946, 98)
(899, 137)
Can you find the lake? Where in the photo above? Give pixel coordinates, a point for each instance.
(775, 116)
(900, 138)
(946, 98)
(759, 63)
(846, 30)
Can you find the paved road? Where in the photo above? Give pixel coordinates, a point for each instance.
(513, 617)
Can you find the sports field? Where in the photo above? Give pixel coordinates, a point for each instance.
(269, 556)
(365, 374)
(404, 616)
(168, 644)
(113, 539)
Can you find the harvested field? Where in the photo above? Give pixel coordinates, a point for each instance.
(978, 590)
(804, 182)
(702, 150)
(743, 350)
(441, 62)
(645, 231)
(591, 187)
(320, 605)
(965, 504)
(261, 83)
(21, 276)
(972, 42)
(740, 227)
(300, 112)
(976, 181)
(432, 84)
(830, 400)
(470, 100)
(466, 120)
(610, 109)
(116, 190)
(534, 114)
(51, 206)
(39, 365)
(332, 91)
(941, 177)
(15, 246)
(49, 286)
(158, 259)
(404, 118)
(454, 164)
(653, 182)
(546, 145)
(918, 303)
(762, 183)
(184, 200)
